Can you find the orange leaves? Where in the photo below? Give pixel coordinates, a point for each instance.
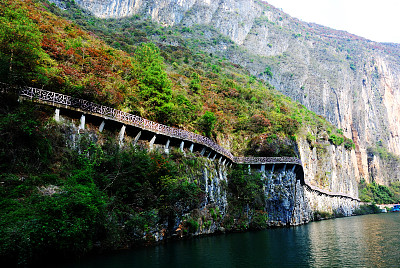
(53, 48)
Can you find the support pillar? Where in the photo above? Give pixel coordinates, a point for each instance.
(203, 151)
(209, 154)
(220, 159)
(57, 115)
(137, 138)
(152, 142)
(191, 148)
(273, 167)
(293, 168)
(101, 127)
(223, 163)
(214, 157)
(82, 122)
(249, 169)
(122, 135)
(167, 146)
(182, 146)
(262, 168)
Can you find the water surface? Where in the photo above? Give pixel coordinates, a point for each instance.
(362, 241)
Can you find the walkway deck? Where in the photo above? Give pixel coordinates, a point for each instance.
(67, 102)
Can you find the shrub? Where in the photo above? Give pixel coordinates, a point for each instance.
(208, 121)
(192, 225)
(336, 140)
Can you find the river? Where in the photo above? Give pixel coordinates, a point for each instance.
(360, 241)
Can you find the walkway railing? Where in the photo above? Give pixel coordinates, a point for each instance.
(57, 99)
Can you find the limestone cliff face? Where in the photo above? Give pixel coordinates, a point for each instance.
(330, 167)
(353, 82)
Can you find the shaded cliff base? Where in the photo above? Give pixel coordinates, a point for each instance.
(69, 191)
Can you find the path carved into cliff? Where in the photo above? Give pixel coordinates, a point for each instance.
(67, 102)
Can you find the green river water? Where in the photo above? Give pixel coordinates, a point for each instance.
(360, 241)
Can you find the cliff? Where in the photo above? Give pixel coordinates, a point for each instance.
(351, 81)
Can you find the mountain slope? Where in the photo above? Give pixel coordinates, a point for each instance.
(353, 82)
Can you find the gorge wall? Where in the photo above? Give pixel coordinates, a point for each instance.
(285, 200)
(353, 82)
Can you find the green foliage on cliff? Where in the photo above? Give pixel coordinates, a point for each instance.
(154, 85)
(379, 194)
(22, 57)
(58, 200)
(176, 89)
(381, 151)
(246, 199)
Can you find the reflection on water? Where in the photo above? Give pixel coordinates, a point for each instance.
(364, 241)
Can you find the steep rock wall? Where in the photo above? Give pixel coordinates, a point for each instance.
(330, 167)
(353, 82)
(287, 202)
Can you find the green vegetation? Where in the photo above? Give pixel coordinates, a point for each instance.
(128, 63)
(246, 197)
(379, 194)
(322, 215)
(58, 201)
(367, 209)
(153, 82)
(208, 121)
(383, 153)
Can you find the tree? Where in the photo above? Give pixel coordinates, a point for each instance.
(208, 121)
(21, 54)
(154, 84)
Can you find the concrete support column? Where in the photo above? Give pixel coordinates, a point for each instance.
(220, 159)
(82, 122)
(122, 135)
(284, 168)
(203, 151)
(101, 127)
(152, 142)
(249, 169)
(182, 146)
(262, 168)
(57, 115)
(191, 148)
(293, 168)
(167, 146)
(137, 138)
(273, 167)
(209, 154)
(223, 163)
(214, 157)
